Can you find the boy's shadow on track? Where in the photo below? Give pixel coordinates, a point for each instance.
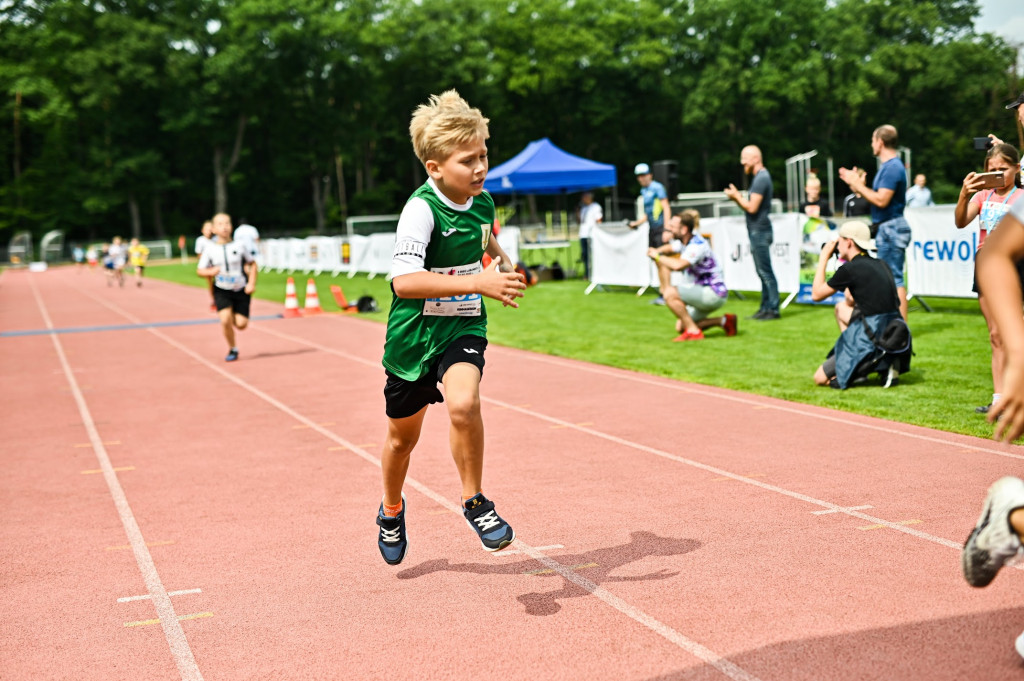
(281, 353)
(595, 567)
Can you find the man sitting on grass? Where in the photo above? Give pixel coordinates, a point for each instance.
(703, 290)
(871, 303)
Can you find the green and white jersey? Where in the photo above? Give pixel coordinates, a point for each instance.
(436, 235)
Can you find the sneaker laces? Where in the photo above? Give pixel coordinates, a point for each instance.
(390, 536)
(487, 521)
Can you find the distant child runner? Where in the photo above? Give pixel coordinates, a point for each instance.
(138, 254)
(202, 241)
(234, 277)
(117, 257)
(437, 327)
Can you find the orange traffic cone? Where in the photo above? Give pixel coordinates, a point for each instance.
(291, 303)
(339, 296)
(341, 300)
(312, 304)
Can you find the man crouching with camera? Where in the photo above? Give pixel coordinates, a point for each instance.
(866, 315)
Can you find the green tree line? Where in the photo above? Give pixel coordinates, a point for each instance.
(144, 118)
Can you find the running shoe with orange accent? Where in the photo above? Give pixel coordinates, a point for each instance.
(688, 336)
(392, 540)
(993, 542)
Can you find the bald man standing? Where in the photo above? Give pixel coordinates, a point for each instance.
(756, 207)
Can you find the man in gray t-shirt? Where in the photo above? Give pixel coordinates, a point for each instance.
(756, 207)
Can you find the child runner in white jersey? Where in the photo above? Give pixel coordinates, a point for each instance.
(437, 325)
(233, 270)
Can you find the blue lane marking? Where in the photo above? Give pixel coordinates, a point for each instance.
(120, 327)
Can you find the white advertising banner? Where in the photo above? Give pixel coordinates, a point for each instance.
(940, 257)
(376, 257)
(619, 256)
(324, 253)
(298, 255)
(731, 245)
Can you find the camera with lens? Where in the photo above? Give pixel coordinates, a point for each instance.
(982, 143)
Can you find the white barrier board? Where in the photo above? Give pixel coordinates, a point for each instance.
(940, 257)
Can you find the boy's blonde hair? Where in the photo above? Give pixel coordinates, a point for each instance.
(445, 122)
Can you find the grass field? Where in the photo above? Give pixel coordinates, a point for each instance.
(950, 373)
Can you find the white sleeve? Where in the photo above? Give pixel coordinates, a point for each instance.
(1017, 210)
(598, 212)
(204, 259)
(415, 226)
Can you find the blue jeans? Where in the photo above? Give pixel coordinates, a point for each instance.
(760, 249)
(892, 241)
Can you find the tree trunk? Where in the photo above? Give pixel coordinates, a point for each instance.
(158, 218)
(318, 200)
(221, 173)
(133, 209)
(342, 198)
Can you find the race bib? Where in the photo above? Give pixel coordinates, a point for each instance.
(469, 305)
(229, 281)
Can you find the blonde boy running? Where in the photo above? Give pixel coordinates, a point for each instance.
(233, 270)
(437, 325)
(138, 254)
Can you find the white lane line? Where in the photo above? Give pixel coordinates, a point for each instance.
(515, 552)
(824, 505)
(842, 510)
(1011, 451)
(146, 597)
(697, 650)
(180, 650)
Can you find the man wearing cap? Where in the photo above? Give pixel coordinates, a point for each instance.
(656, 209)
(870, 295)
(756, 207)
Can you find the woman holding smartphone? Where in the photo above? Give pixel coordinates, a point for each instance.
(989, 206)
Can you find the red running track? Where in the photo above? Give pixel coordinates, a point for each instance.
(168, 515)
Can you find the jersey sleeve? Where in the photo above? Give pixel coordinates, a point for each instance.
(415, 226)
(841, 279)
(205, 260)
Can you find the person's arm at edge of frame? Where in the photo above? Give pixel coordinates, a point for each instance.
(819, 289)
(995, 270)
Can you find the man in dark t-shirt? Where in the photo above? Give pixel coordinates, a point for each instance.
(756, 207)
(867, 282)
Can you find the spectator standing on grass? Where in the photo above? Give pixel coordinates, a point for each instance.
(657, 211)
(989, 206)
(870, 298)
(887, 196)
(703, 289)
(590, 215)
(996, 537)
(233, 270)
(919, 195)
(855, 205)
(437, 326)
(756, 206)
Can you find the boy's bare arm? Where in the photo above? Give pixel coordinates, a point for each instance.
(998, 281)
(503, 286)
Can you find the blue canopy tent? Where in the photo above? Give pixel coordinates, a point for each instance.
(543, 168)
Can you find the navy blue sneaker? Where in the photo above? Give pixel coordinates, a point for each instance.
(495, 534)
(391, 540)
(232, 355)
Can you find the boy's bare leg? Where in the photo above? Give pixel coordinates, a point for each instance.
(466, 433)
(403, 434)
(226, 314)
(241, 322)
